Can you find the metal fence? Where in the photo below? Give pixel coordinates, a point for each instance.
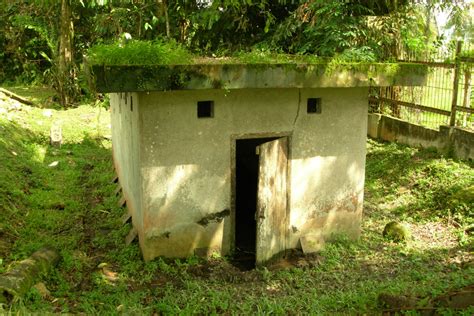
(447, 98)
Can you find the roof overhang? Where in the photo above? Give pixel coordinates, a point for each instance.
(136, 78)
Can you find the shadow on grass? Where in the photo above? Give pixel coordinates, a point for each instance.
(72, 206)
(426, 182)
(357, 273)
(18, 162)
(52, 196)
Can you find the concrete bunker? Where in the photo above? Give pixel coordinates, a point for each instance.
(271, 158)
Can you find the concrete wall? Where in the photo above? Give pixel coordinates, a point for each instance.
(126, 150)
(448, 139)
(186, 163)
(461, 141)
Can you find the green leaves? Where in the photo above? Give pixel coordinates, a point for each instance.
(46, 56)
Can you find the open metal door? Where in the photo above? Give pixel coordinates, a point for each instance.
(271, 200)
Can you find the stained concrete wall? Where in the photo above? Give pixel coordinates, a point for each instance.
(186, 163)
(450, 140)
(126, 137)
(461, 141)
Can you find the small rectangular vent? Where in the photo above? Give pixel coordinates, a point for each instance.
(205, 109)
(314, 106)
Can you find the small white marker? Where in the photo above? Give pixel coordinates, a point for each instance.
(53, 164)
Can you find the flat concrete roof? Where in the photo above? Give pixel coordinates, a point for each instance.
(137, 78)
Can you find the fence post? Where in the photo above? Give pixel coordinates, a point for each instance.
(454, 102)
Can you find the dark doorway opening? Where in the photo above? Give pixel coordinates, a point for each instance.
(246, 171)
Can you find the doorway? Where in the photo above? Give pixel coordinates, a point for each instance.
(247, 165)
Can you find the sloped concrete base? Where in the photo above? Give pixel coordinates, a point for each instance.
(448, 139)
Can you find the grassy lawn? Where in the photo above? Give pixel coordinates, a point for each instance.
(72, 207)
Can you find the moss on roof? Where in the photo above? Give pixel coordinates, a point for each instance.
(138, 53)
(170, 53)
(161, 66)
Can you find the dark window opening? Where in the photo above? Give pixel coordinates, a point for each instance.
(131, 103)
(205, 109)
(246, 174)
(314, 105)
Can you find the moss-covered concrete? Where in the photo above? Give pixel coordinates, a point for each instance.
(211, 75)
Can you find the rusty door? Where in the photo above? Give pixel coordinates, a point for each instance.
(271, 199)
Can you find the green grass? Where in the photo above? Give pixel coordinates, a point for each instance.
(72, 207)
(418, 185)
(147, 53)
(468, 53)
(171, 53)
(139, 53)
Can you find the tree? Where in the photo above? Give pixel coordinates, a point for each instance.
(36, 23)
(66, 77)
(47, 39)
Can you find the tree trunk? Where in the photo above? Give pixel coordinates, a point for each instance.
(427, 30)
(14, 96)
(66, 74)
(396, 95)
(163, 11)
(167, 20)
(397, 52)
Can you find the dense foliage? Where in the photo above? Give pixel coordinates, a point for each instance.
(37, 35)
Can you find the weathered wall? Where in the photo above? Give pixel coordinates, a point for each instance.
(328, 166)
(448, 139)
(186, 162)
(233, 74)
(462, 141)
(126, 150)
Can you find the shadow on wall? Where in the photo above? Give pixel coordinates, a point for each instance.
(192, 179)
(201, 222)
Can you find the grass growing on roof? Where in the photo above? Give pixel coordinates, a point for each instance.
(148, 53)
(259, 56)
(139, 53)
